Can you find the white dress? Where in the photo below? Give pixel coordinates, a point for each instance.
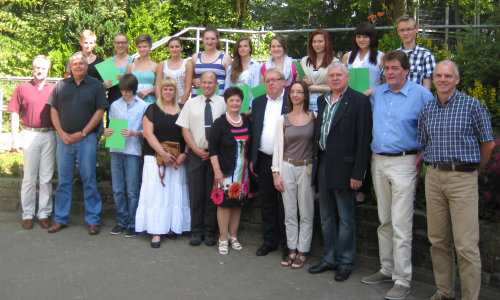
(163, 208)
(179, 75)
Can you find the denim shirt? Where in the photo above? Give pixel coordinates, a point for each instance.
(133, 113)
(254, 68)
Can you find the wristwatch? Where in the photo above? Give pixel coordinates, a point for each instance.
(84, 134)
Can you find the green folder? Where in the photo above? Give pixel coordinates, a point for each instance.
(108, 70)
(259, 90)
(245, 105)
(359, 79)
(116, 140)
(300, 70)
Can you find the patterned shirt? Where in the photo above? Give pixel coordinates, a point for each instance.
(451, 133)
(422, 63)
(328, 114)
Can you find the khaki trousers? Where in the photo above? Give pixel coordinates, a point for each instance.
(394, 180)
(452, 215)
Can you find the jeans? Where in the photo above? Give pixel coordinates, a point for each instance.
(125, 179)
(338, 223)
(39, 155)
(66, 156)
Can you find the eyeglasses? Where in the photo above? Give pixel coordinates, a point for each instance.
(297, 92)
(270, 81)
(121, 43)
(405, 30)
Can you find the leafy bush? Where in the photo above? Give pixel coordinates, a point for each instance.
(11, 164)
(489, 197)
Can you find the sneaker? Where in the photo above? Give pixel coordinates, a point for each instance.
(398, 292)
(117, 230)
(438, 296)
(130, 232)
(375, 278)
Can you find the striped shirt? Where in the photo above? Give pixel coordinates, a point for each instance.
(422, 63)
(216, 66)
(328, 115)
(451, 132)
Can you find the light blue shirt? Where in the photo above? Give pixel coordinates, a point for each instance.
(133, 113)
(254, 68)
(395, 117)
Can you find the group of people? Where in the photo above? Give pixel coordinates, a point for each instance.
(199, 153)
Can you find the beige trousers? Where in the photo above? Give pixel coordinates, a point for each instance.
(452, 215)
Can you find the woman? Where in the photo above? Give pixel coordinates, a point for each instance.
(292, 166)
(88, 41)
(244, 70)
(181, 70)
(229, 141)
(121, 59)
(365, 54)
(319, 56)
(144, 68)
(163, 202)
(280, 60)
(212, 59)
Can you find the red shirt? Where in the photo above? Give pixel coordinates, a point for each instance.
(31, 104)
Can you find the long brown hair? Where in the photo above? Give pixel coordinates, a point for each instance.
(216, 32)
(305, 104)
(365, 28)
(237, 66)
(311, 54)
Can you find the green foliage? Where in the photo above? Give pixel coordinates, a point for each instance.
(489, 195)
(11, 164)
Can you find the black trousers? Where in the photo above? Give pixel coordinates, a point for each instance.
(273, 213)
(200, 176)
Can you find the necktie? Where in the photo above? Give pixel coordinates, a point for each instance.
(208, 118)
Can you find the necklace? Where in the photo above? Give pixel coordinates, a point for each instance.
(227, 115)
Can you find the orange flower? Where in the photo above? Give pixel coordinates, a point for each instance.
(380, 13)
(372, 17)
(235, 190)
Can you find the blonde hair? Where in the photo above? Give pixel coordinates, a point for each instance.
(167, 81)
(88, 34)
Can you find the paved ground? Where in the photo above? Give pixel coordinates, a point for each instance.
(71, 264)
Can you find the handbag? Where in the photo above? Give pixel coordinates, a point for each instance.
(172, 148)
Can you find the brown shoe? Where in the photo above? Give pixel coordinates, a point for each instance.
(45, 223)
(56, 227)
(28, 223)
(94, 229)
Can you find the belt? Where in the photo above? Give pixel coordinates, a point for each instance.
(454, 167)
(296, 162)
(404, 153)
(42, 129)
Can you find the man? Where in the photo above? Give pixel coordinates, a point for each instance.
(395, 107)
(39, 141)
(421, 60)
(78, 104)
(456, 132)
(266, 110)
(196, 119)
(343, 136)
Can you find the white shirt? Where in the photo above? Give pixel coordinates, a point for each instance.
(271, 116)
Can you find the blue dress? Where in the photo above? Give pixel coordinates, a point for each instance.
(146, 81)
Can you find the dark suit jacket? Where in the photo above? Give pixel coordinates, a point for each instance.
(257, 124)
(347, 152)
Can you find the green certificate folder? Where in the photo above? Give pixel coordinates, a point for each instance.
(116, 140)
(245, 105)
(259, 90)
(300, 70)
(359, 79)
(108, 70)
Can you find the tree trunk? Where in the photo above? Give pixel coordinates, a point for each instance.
(399, 8)
(456, 11)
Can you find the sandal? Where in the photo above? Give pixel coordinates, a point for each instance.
(299, 260)
(223, 247)
(287, 261)
(234, 243)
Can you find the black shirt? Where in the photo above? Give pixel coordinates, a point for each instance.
(76, 104)
(164, 128)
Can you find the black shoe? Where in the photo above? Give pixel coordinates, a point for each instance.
(342, 274)
(171, 236)
(156, 244)
(195, 239)
(265, 249)
(321, 267)
(285, 252)
(117, 230)
(130, 233)
(210, 239)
